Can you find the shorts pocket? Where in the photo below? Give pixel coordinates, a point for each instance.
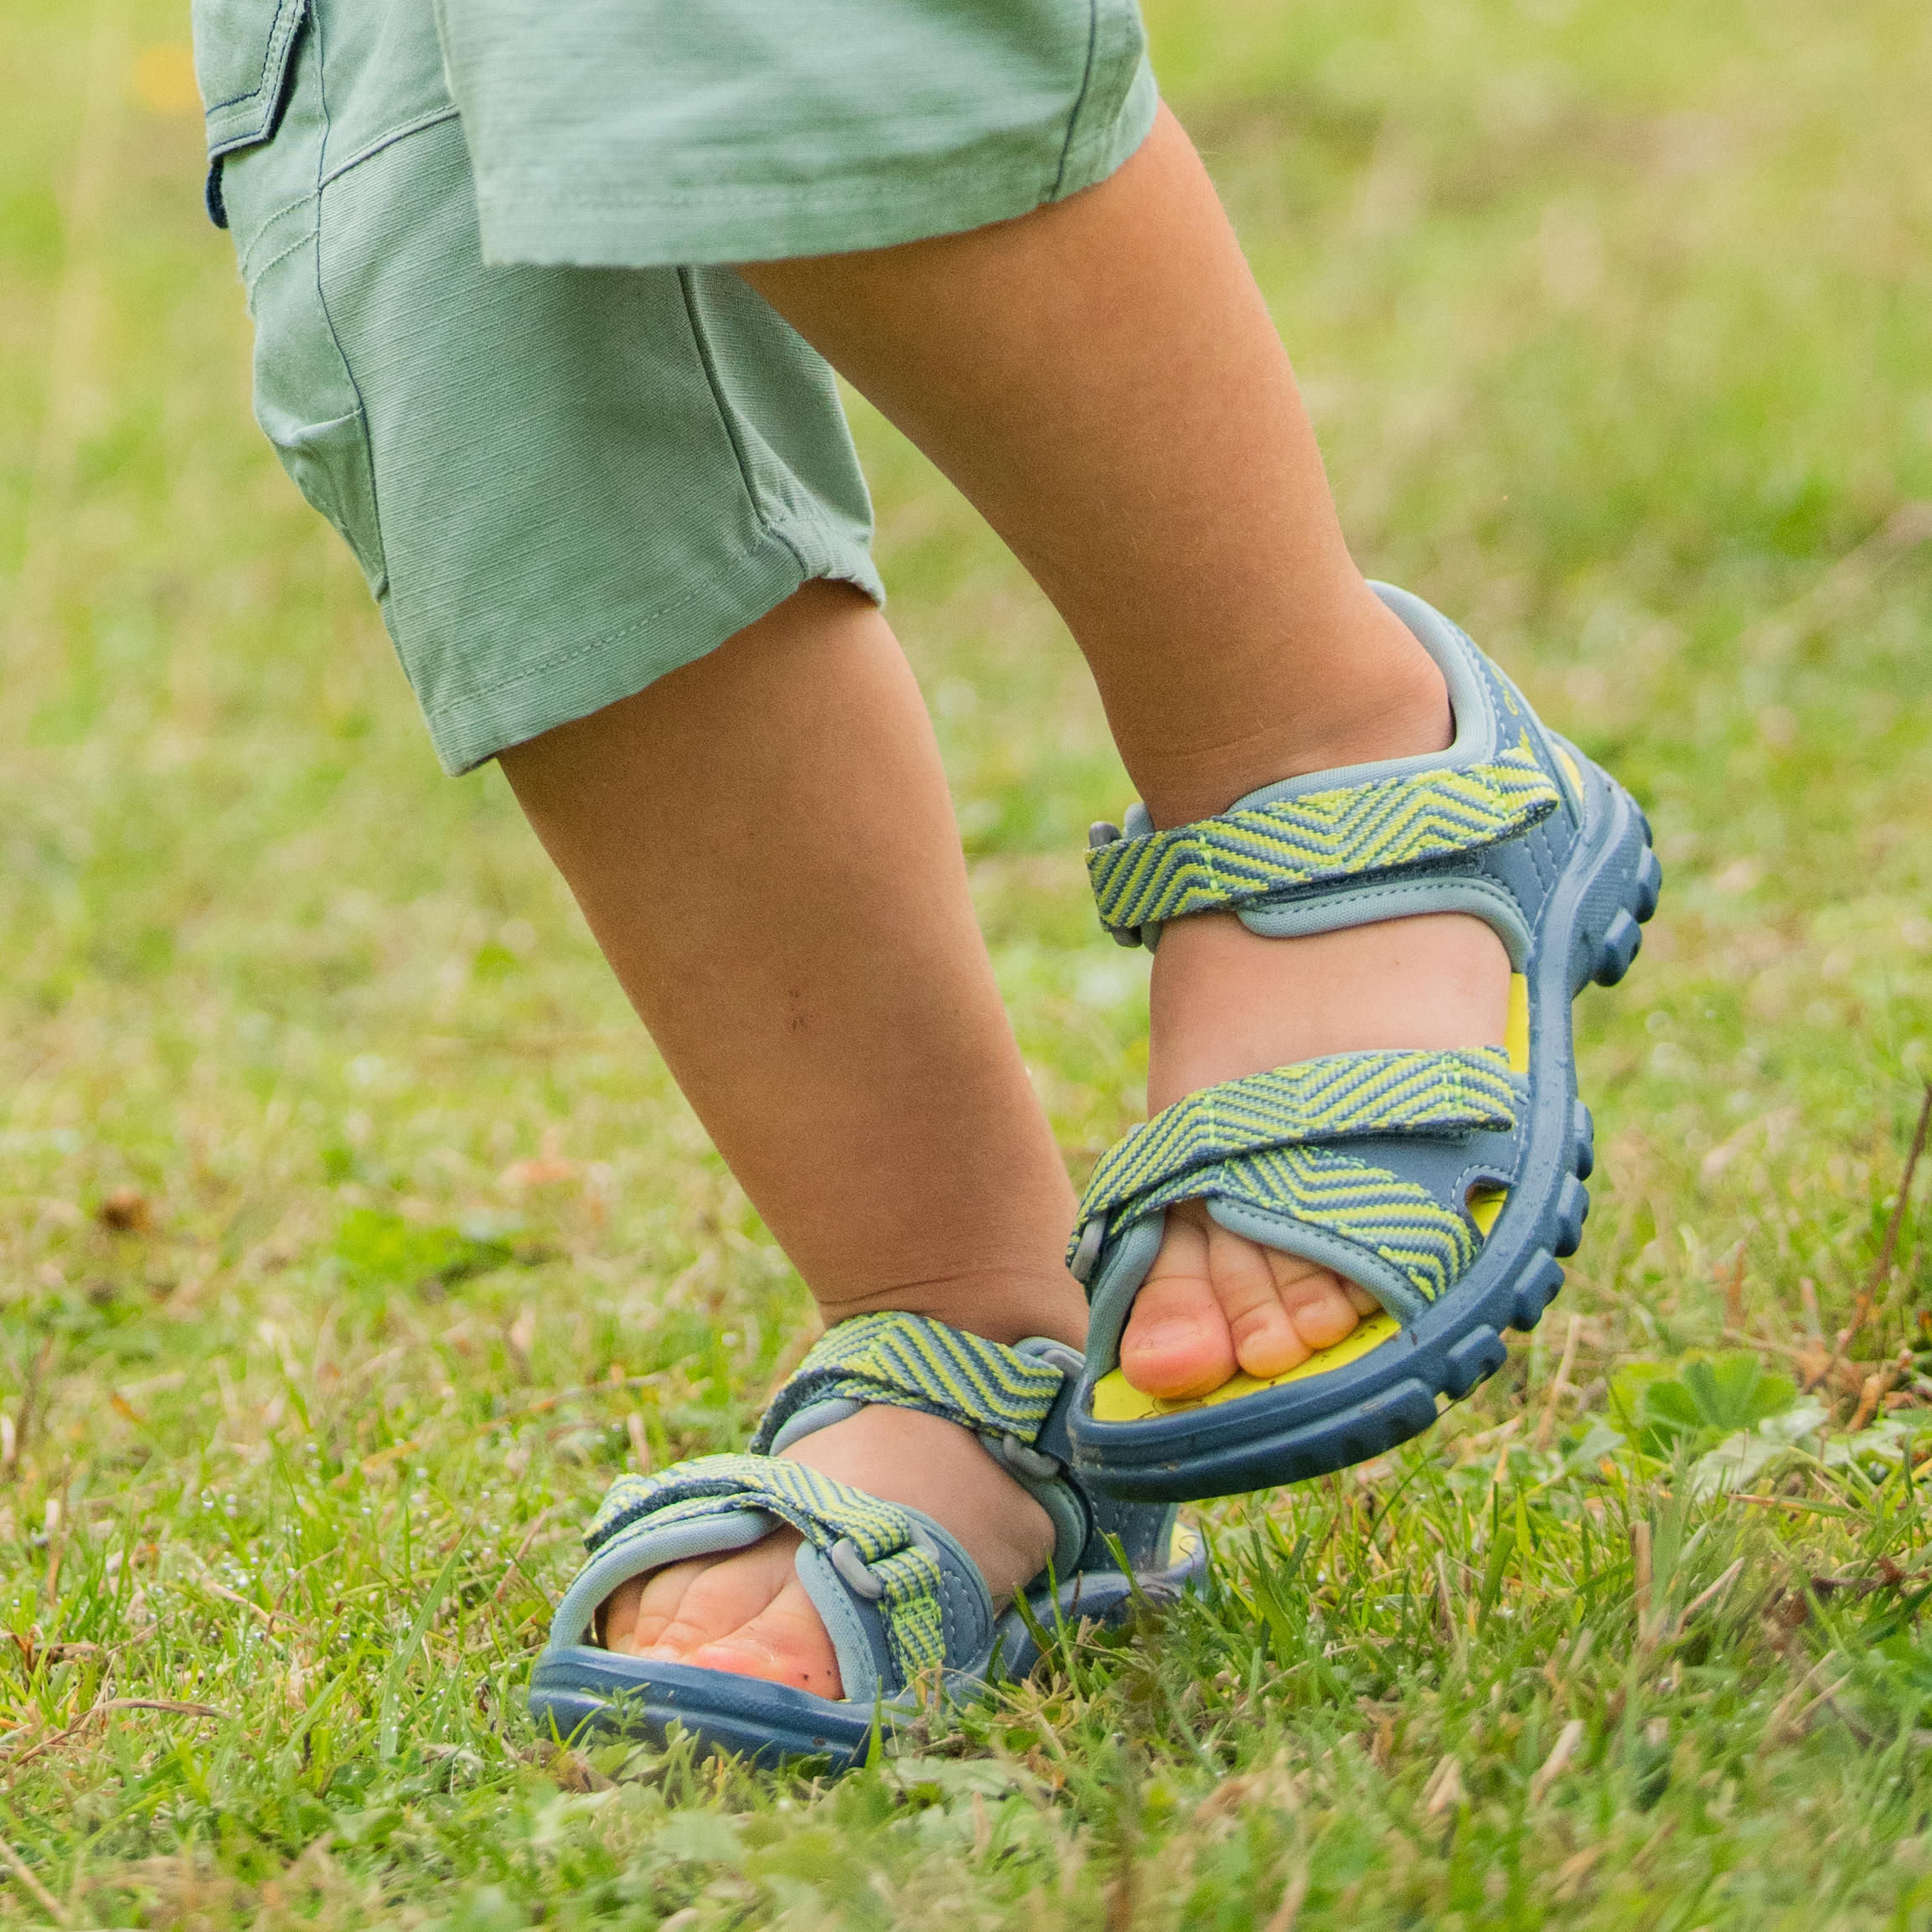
(258, 74)
(308, 405)
(242, 49)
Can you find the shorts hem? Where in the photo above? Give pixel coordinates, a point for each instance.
(1092, 156)
(579, 679)
(547, 222)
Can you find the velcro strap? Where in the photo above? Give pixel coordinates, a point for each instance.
(824, 1511)
(1318, 838)
(910, 1361)
(1343, 1096)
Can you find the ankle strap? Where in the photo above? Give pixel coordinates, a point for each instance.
(911, 1361)
(1316, 838)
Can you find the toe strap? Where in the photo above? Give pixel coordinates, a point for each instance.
(888, 1560)
(1359, 1161)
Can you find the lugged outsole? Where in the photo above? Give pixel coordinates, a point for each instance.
(580, 1690)
(1453, 1364)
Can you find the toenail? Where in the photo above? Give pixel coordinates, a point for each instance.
(1172, 1334)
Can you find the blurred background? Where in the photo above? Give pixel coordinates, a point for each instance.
(329, 1150)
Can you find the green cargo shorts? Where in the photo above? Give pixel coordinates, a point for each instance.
(496, 344)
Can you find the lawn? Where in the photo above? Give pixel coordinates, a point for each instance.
(352, 1237)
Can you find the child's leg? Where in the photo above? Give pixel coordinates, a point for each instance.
(1102, 379)
(763, 845)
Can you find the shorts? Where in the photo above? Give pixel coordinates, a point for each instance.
(496, 344)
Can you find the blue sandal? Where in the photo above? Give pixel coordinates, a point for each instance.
(910, 1616)
(1446, 1184)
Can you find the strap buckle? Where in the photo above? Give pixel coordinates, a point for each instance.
(1102, 832)
(859, 1576)
(853, 1571)
(1086, 1256)
(1020, 1457)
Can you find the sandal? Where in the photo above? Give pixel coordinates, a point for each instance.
(1445, 1184)
(911, 1619)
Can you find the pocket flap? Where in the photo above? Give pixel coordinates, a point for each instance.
(241, 50)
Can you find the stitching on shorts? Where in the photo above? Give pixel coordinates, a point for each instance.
(301, 241)
(728, 418)
(267, 58)
(269, 221)
(543, 666)
(546, 665)
(382, 141)
(416, 127)
(1079, 99)
(622, 197)
(321, 296)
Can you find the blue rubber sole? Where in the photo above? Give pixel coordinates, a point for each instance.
(1592, 931)
(578, 1691)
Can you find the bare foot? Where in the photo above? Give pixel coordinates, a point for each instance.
(747, 1613)
(1226, 1003)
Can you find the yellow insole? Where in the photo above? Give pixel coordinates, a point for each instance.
(1516, 1026)
(1115, 1399)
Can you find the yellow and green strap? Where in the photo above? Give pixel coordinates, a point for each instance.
(910, 1361)
(1319, 838)
(1266, 1140)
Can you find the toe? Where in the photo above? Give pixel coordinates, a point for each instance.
(1316, 1301)
(616, 1619)
(1177, 1341)
(1266, 1341)
(785, 1643)
(686, 1605)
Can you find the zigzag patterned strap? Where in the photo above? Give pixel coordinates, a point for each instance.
(1319, 838)
(910, 1361)
(824, 1512)
(1402, 1224)
(1342, 1096)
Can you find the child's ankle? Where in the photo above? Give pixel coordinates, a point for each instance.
(1004, 1307)
(1362, 689)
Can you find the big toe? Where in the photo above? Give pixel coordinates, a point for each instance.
(1177, 1342)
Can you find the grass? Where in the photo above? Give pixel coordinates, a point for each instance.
(351, 1237)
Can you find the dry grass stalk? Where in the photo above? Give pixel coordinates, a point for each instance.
(1882, 1269)
(24, 1873)
(1284, 1916)
(1552, 1766)
(1444, 1790)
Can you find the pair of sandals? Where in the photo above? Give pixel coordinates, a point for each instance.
(1448, 1185)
